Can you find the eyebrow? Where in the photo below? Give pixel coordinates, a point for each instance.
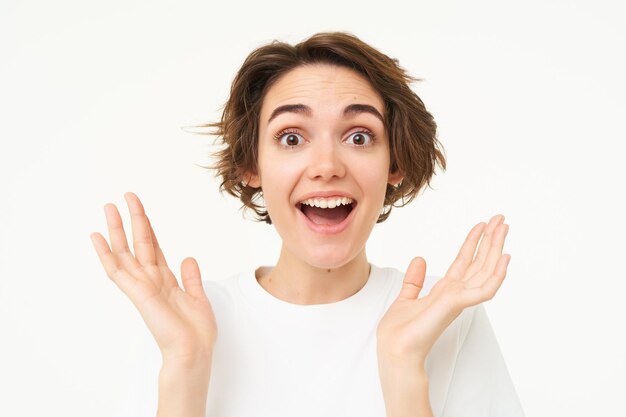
(349, 111)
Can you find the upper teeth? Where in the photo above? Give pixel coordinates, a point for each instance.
(327, 202)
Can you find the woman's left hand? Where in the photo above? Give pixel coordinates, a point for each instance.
(411, 325)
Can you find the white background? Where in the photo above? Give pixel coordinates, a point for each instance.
(529, 99)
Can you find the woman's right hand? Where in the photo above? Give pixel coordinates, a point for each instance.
(182, 322)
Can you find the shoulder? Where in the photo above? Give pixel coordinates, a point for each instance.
(226, 293)
(224, 288)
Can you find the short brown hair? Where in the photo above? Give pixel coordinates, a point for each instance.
(413, 145)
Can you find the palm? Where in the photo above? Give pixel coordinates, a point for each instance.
(411, 325)
(182, 322)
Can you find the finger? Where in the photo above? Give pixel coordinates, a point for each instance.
(495, 252)
(160, 258)
(119, 245)
(413, 279)
(489, 288)
(466, 254)
(484, 246)
(192, 281)
(142, 239)
(169, 278)
(111, 264)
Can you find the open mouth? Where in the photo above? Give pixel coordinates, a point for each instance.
(327, 212)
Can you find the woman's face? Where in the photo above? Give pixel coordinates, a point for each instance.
(321, 142)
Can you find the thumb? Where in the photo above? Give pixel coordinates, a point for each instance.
(413, 279)
(192, 282)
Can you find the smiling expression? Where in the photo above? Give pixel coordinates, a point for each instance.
(322, 142)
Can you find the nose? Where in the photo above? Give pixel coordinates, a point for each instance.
(326, 160)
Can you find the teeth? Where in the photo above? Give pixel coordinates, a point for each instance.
(327, 202)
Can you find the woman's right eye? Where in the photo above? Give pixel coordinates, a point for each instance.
(289, 139)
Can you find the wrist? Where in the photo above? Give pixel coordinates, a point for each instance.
(405, 387)
(193, 371)
(196, 361)
(404, 377)
(185, 375)
(183, 391)
(399, 362)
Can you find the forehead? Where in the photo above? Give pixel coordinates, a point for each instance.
(323, 87)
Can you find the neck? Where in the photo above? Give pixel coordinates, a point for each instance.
(296, 282)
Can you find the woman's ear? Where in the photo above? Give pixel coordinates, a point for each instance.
(252, 180)
(395, 178)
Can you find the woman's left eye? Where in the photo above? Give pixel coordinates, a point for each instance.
(361, 138)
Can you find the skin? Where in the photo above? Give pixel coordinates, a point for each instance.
(181, 320)
(315, 268)
(311, 269)
(412, 324)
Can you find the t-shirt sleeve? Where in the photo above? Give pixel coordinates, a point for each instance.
(481, 385)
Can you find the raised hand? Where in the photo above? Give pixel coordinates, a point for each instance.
(411, 325)
(182, 322)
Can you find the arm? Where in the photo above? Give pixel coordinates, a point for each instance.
(183, 389)
(405, 391)
(181, 320)
(480, 385)
(411, 325)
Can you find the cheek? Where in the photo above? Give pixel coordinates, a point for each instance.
(278, 181)
(374, 180)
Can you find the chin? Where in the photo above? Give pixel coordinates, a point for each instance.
(329, 259)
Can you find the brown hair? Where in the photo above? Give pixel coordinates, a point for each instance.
(413, 145)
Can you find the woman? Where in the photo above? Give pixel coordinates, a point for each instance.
(329, 136)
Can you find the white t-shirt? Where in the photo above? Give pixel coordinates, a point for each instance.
(273, 358)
